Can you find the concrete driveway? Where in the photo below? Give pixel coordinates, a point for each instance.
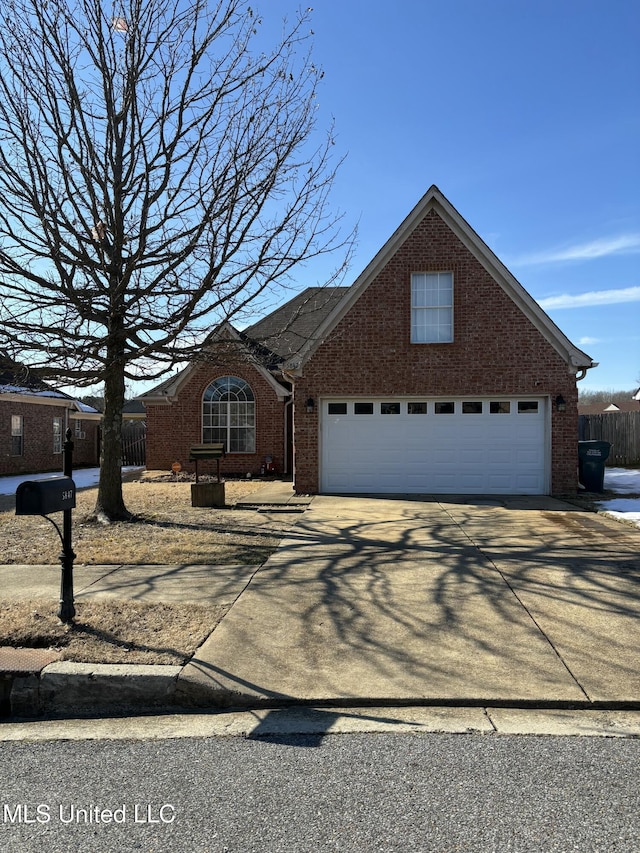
(439, 600)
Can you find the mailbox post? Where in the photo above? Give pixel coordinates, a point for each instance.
(67, 609)
(41, 497)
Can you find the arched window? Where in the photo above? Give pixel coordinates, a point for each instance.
(229, 415)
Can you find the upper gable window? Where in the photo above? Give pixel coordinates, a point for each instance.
(431, 307)
(229, 415)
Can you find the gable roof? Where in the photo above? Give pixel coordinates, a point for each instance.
(167, 391)
(436, 201)
(268, 342)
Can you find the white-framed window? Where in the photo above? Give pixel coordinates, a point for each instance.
(229, 415)
(431, 307)
(17, 435)
(57, 435)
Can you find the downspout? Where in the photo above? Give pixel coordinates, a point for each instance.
(289, 378)
(287, 405)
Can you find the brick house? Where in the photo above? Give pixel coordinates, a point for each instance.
(435, 372)
(33, 420)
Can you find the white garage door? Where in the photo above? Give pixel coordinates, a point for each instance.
(444, 446)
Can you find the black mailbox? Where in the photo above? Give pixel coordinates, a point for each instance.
(40, 497)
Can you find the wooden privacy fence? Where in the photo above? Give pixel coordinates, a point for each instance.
(134, 436)
(620, 429)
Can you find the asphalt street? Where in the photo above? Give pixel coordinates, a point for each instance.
(299, 793)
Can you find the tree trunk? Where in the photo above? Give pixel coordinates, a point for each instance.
(110, 504)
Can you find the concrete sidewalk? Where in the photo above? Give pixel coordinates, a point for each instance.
(510, 601)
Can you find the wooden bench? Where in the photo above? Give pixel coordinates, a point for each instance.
(206, 451)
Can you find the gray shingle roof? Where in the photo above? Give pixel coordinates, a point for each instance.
(277, 336)
(287, 329)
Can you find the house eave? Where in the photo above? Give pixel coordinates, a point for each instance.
(157, 400)
(75, 412)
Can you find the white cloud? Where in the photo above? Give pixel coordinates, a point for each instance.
(586, 341)
(591, 298)
(624, 244)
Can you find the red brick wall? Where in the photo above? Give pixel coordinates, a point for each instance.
(173, 429)
(38, 455)
(496, 350)
(86, 451)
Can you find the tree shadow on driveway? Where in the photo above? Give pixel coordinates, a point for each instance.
(449, 599)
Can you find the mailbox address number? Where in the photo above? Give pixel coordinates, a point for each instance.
(41, 497)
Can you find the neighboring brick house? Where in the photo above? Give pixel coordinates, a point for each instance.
(435, 372)
(33, 420)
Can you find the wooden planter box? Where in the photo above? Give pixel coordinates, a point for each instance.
(207, 494)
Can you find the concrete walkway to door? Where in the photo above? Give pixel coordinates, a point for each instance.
(512, 600)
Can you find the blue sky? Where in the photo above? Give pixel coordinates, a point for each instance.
(527, 117)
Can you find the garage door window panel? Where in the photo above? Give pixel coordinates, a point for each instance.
(500, 407)
(527, 407)
(432, 308)
(445, 408)
(389, 408)
(363, 408)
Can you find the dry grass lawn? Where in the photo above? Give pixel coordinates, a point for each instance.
(167, 530)
(111, 631)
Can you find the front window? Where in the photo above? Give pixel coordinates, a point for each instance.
(17, 435)
(229, 415)
(57, 435)
(431, 307)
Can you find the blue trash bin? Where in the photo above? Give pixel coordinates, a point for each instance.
(591, 458)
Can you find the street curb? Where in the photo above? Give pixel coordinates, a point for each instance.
(66, 689)
(84, 688)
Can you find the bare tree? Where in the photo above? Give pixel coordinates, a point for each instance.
(159, 171)
(605, 395)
